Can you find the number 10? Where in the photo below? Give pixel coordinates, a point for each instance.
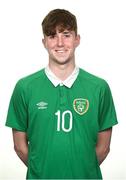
(58, 114)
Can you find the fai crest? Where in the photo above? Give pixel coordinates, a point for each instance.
(81, 105)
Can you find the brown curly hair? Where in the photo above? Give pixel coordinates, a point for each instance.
(60, 19)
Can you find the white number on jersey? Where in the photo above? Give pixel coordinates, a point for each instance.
(61, 121)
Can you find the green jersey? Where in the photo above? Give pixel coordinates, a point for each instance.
(62, 124)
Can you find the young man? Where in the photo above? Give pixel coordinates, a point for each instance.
(61, 116)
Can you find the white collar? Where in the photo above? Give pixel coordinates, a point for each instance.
(56, 81)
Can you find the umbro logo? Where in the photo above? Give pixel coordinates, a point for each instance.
(42, 105)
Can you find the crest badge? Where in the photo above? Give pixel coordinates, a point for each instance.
(81, 105)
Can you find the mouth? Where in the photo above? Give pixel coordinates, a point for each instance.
(60, 51)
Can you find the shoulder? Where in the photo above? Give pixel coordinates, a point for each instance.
(30, 80)
(92, 80)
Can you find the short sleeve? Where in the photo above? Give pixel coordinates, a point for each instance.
(17, 111)
(107, 113)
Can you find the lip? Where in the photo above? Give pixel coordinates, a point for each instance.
(60, 51)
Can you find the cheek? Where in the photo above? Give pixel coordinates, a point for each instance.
(71, 44)
(50, 45)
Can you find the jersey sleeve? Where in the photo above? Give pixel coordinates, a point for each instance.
(107, 113)
(17, 111)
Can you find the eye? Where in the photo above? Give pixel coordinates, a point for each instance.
(67, 34)
(52, 36)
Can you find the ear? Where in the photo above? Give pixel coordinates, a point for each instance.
(77, 40)
(43, 42)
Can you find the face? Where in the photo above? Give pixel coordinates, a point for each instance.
(61, 46)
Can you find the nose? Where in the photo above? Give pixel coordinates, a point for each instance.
(60, 41)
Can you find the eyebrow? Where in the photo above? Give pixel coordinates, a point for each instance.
(66, 32)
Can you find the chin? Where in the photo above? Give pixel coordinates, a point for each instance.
(62, 62)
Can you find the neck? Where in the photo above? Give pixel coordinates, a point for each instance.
(62, 71)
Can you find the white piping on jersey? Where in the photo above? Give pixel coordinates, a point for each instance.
(56, 81)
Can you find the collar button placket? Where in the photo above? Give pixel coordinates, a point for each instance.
(62, 95)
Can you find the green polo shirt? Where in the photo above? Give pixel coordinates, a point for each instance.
(62, 124)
